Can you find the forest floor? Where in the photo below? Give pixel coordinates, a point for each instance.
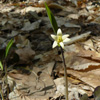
(35, 70)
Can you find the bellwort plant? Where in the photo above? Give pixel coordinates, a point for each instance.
(59, 40)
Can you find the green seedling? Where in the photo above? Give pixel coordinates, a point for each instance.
(6, 52)
(1, 65)
(8, 47)
(59, 40)
(4, 67)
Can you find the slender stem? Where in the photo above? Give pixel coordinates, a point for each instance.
(6, 79)
(1, 93)
(65, 75)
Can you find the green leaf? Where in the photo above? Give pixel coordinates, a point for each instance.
(1, 65)
(52, 19)
(8, 47)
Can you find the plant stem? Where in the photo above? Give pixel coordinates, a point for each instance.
(65, 75)
(6, 79)
(1, 93)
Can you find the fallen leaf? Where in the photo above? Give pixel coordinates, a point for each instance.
(89, 78)
(31, 26)
(26, 55)
(71, 25)
(37, 9)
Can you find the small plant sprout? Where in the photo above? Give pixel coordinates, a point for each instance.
(3, 66)
(10, 43)
(59, 39)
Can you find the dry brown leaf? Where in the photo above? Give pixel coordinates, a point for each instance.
(73, 16)
(73, 80)
(49, 68)
(78, 58)
(28, 9)
(79, 3)
(88, 45)
(79, 63)
(72, 25)
(92, 55)
(26, 55)
(55, 5)
(21, 42)
(32, 86)
(91, 78)
(31, 26)
(48, 57)
(41, 2)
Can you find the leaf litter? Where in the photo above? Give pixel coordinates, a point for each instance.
(38, 75)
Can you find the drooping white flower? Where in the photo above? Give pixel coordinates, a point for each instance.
(59, 39)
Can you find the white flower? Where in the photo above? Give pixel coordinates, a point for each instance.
(59, 39)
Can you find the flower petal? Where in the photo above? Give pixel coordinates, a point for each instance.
(66, 40)
(54, 44)
(62, 44)
(65, 36)
(59, 32)
(53, 36)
